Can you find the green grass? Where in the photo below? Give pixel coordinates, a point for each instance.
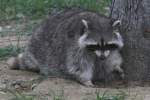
(14, 9)
(120, 96)
(17, 95)
(9, 51)
(23, 12)
(20, 28)
(22, 97)
(19, 14)
(59, 95)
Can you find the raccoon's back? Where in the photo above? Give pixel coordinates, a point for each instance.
(48, 42)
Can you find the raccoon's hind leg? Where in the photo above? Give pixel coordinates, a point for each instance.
(23, 61)
(81, 66)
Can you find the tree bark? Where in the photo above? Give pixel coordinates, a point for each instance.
(135, 17)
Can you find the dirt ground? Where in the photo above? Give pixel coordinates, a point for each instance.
(30, 83)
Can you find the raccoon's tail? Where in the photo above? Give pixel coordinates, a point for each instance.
(23, 62)
(15, 62)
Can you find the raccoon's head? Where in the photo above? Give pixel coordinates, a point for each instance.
(102, 43)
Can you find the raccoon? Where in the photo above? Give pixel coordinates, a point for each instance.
(72, 43)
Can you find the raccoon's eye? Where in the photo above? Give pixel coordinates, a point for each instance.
(111, 46)
(93, 47)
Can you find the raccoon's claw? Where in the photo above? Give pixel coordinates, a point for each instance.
(88, 84)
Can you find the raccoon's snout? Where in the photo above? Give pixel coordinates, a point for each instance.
(102, 54)
(102, 57)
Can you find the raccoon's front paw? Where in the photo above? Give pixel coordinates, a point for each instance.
(88, 84)
(120, 71)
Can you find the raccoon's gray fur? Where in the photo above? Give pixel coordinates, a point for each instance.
(60, 46)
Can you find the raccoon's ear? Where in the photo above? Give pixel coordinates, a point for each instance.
(84, 27)
(85, 23)
(116, 23)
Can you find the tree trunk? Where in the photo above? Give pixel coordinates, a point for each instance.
(135, 16)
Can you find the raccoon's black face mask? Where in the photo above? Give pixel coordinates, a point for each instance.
(102, 50)
(102, 47)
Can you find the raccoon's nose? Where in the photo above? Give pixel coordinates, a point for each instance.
(102, 57)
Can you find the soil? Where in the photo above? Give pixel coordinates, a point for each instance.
(30, 83)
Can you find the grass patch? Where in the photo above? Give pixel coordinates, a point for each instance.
(14, 9)
(10, 51)
(20, 28)
(23, 12)
(120, 96)
(58, 95)
(19, 96)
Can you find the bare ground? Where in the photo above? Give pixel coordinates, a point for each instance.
(33, 84)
